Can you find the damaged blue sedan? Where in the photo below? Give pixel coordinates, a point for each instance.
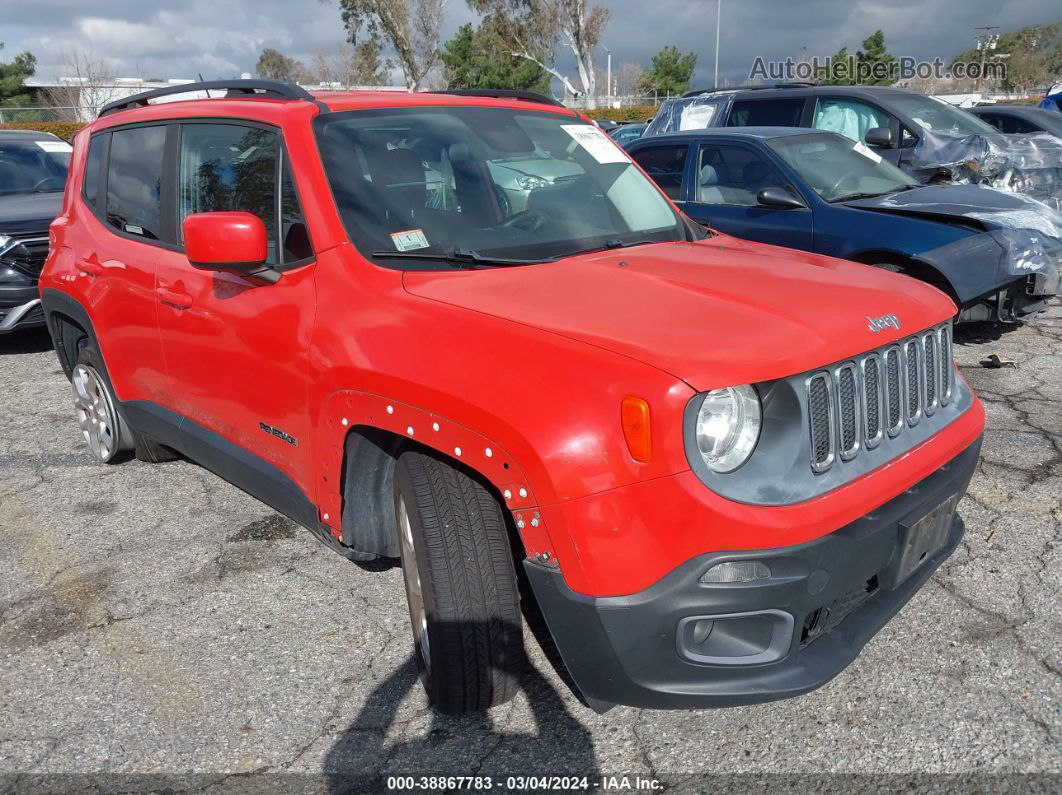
(997, 254)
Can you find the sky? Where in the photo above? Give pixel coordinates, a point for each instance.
(222, 38)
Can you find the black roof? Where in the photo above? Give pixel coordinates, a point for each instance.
(798, 89)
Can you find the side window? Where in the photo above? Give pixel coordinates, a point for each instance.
(295, 239)
(849, 117)
(734, 175)
(766, 113)
(665, 164)
(1012, 124)
(91, 182)
(134, 181)
(233, 168)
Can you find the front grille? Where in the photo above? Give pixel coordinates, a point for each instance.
(856, 403)
(28, 253)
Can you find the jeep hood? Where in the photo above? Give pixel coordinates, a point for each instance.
(718, 312)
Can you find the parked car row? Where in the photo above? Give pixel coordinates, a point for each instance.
(469, 334)
(738, 162)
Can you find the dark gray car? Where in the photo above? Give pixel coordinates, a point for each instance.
(33, 168)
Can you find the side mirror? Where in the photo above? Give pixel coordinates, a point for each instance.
(780, 198)
(878, 136)
(234, 242)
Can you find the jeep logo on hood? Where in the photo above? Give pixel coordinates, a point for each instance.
(883, 322)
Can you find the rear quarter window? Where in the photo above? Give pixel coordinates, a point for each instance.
(767, 113)
(134, 181)
(91, 182)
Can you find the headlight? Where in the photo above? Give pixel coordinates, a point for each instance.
(5, 243)
(728, 425)
(531, 183)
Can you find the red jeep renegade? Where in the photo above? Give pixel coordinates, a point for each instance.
(466, 331)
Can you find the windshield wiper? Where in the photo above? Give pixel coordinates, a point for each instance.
(608, 245)
(851, 196)
(458, 256)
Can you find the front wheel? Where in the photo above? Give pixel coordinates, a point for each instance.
(464, 606)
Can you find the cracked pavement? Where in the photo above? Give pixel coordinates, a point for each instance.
(154, 619)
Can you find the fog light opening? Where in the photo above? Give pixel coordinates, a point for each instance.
(736, 571)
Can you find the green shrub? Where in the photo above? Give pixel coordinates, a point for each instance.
(64, 129)
(635, 113)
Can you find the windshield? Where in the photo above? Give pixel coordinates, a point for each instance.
(837, 168)
(33, 166)
(494, 182)
(938, 116)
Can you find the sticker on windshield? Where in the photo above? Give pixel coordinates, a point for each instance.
(410, 240)
(866, 151)
(54, 146)
(594, 141)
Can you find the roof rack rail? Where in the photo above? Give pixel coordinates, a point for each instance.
(247, 89)
(501, 93)
(718, 89)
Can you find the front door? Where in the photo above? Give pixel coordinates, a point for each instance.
(726, 181)
(235, 350)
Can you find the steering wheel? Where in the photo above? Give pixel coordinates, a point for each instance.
(42, 185)
(835, 190)
(528, 220)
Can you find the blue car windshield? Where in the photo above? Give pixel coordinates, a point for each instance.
(837, 168)
(33, 166)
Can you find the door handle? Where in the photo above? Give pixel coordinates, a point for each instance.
(92, 266)
(175, 298)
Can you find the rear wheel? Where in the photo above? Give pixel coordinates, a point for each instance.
(464, 606)
(104, 430)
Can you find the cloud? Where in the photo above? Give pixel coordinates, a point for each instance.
(222, 38)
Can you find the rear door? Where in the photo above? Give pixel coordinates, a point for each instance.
(726, 179)
(666, 164)
(236, 350)
(767, 112)
(117, 250)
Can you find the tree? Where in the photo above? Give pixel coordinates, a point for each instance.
(85, 84)
(533, 28)
(1032, 55)
(13, 78)
(873, 65)
(670, 72)
(627, 79)
(411, 27)
(876, 65)
(358, 64)
(275, 65)
(480, 58)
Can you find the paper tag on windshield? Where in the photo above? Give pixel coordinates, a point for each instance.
(594, 141)
(410, 240)
(866, 151)
(54, 146)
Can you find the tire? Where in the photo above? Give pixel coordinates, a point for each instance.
(464, 604)
(105, 432)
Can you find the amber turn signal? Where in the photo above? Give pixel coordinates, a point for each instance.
(634, 415)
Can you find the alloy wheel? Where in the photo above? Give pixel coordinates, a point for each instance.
(418, 617)
(95, 412)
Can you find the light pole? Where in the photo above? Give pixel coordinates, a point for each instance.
(985, 42)
(718, 19)
(608, 75)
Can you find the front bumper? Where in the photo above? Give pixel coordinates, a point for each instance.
(823, 601)
(20, 308)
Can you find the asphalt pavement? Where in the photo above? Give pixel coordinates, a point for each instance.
(156, 621)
